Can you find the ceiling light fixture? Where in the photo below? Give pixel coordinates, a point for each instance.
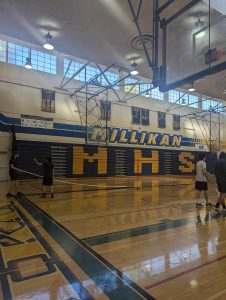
(134, 71)
(48, 45)
(191, 87)
(199, 29)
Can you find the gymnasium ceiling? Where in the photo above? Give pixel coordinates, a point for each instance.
(97, 30)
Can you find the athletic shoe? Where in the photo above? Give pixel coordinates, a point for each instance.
(209, 204)
(43, 196)
(9, 195)
(217, 210)
(198, 205)
(223, 209)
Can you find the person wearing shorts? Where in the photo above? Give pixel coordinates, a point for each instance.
(47, 181)
(220, 174)
(13, 174)
(201, 184)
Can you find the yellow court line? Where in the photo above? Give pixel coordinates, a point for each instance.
(217, 295)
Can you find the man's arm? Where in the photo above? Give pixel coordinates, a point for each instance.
(205, 173)
(38, 162)
(13, 167)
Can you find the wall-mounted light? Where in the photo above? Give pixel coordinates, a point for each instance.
(48, 45)
(199, 30)
(191, 87)
(147, 94)
(134, 71)
(28, 64)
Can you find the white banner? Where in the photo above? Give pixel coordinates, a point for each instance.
(201, 147)
(37, 122)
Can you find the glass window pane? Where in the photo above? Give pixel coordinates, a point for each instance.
(130, 88)
(193, 101)
(2, 51)
(156, 94)
(174, 96)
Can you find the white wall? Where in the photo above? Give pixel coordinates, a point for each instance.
(20, 93)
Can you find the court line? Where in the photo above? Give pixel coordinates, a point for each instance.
(139, 231)
(4, 280)
(75, 283)
(125, 234)
(184, 272)
(216, 296)
(108, 278)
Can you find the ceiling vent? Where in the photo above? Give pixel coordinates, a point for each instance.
(136, 42)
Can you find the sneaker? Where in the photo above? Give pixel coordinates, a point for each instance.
(217, 209)
(9, 195)
(223, 209)
(52, 196)
(209, 204)
(198, 205)
(43, 196)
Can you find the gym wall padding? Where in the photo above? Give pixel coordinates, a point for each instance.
(94, 161)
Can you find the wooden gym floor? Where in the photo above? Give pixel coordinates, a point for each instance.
(145, 241)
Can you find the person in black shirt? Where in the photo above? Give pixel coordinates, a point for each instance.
(220, 173)
(13, 173)
(48, 175)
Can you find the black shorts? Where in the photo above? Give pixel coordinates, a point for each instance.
(13, 175)
(201, 186)
(221, 187)
(47, 181)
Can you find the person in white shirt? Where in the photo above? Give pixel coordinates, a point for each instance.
(201, 180)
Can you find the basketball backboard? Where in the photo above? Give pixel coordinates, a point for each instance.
(194, 43)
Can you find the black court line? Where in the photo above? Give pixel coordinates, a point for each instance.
(4, 280)
(71, 278)
(140, 231)
(55, 260)
(108, 278)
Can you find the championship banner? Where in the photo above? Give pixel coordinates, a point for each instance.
(176, 122)
(145, 117)
(161, 119)
(48, 101)
(105, 110)
(136, 112)
(37, 122)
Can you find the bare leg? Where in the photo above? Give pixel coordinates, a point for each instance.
(51, 190)
(222, 200)
(44, 191)
(10, 192)
(206, 196)
(17, 184)
(198, 193)
(219, 201)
